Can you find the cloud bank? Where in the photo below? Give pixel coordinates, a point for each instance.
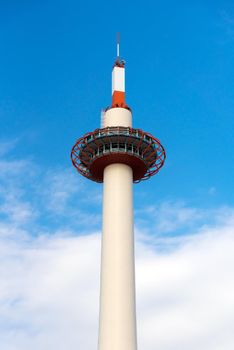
(49, 270)
(49, 291)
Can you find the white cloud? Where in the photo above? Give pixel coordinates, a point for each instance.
(59, 187)
(47, 298)
(14, 207)
(185, 297)
(13, 168)
(170, 216)
(49, 282)
(7, 145)
(32, 195)
(173, 215)
(17, 211)
(50, 286)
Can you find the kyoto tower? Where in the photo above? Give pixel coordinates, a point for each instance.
(117, 155)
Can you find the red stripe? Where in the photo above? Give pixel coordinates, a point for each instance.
(118, 98)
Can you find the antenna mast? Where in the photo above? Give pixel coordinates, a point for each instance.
(118, 45)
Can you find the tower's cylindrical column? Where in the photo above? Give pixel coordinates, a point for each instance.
(117, 328)
(116, 154)
(118, 117)
(117, 323)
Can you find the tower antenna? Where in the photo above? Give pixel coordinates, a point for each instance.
(118, 45)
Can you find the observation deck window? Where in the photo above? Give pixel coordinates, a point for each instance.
(129, 148)
(89, 137)
(146, 137)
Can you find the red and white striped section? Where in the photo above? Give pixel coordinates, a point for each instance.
(118, 85)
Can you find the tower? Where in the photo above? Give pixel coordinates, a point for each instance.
(117, 155)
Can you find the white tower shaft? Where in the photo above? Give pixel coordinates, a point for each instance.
(117, 155)
(117, 324)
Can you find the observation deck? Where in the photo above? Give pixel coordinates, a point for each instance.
(133, 147)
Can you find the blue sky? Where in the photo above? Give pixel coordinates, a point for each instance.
(55, 66)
